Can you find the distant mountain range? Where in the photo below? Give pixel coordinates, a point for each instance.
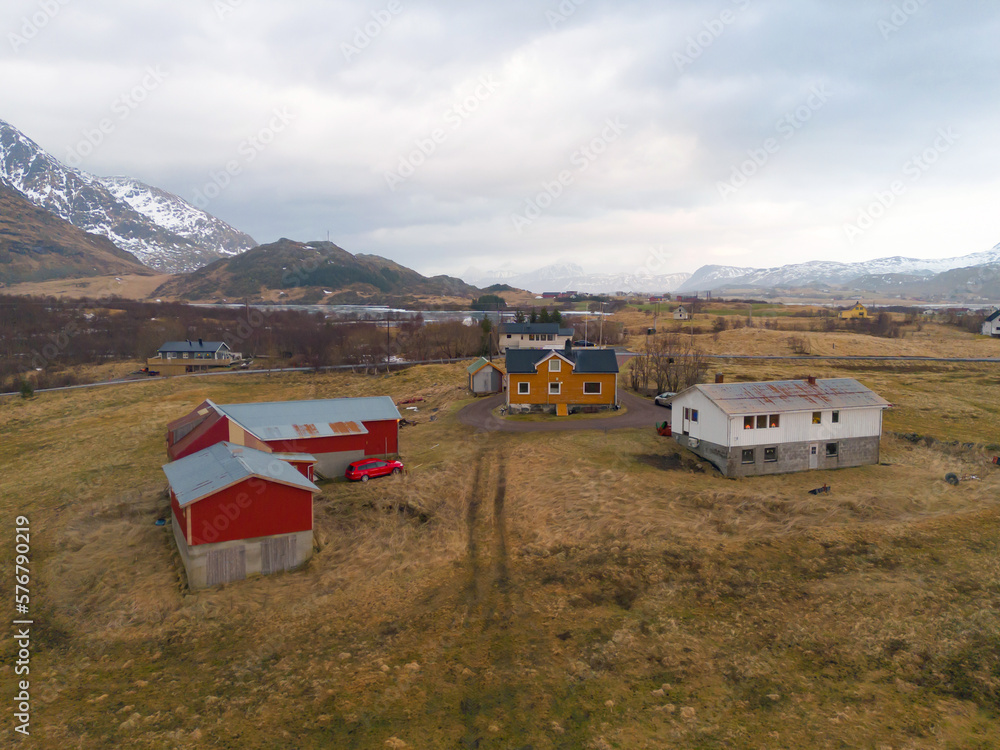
(36, 245)
(830, 274)
(163, 231)
(959, 277)
(308, 273)
(562, 277)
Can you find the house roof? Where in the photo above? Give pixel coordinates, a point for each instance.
(546, 328)
(291, 420)
(192, 346)
(204, 473)
(993, 316)
(585, 361)
(789, 395)
(479, 364)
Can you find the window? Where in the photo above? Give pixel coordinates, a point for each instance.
(694, 415)
(555, 365)
(761, 421)
(770, 454)
(555, 388)
(550, 337)
(508, 335)
(836, 417)
(592, 388)
(531, 337)
(687, 413)
(747, 423)
(817, 417)
(831, 450)
(748, 455)
(524, 388)
(773, 421)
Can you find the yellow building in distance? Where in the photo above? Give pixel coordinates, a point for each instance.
(858, 311)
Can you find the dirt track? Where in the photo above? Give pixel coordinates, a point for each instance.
(640, 413)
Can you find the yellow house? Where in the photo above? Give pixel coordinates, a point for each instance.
(858, 311)
(561, 381)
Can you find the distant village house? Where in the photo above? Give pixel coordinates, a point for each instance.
(855, 312)
(178, 357)
(991, 326)
(533, 336)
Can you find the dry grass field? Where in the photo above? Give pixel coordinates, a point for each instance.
(580, 590)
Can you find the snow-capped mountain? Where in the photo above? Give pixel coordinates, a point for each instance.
(162, 230)
(567, 276)
(829, 273)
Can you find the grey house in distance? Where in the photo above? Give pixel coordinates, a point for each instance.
(781, 426)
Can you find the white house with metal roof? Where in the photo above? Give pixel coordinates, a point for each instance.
(781, 426)
(533, 336)
(991, 326)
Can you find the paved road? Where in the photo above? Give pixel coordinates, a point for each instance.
(640, 413)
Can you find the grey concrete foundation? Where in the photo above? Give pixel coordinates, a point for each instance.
(224, 562)
(789, 457)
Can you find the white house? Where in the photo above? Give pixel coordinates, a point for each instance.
(991, 326)
(681, 314)
(533, 336)
(781, 426)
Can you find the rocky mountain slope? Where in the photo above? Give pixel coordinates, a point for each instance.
(310, 272)
(36, 245)
(162, 230)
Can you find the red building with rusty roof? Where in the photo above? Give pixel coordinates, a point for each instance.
(336, 431)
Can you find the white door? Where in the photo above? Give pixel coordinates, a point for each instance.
(686, 421)
(813, 456)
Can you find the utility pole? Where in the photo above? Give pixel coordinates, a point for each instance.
(600, 340)
(387, 345)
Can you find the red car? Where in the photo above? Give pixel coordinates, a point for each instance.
(367, 468)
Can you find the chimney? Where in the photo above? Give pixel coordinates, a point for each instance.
(569, 346)
(811, 380)
(719, 377)
(200, 343)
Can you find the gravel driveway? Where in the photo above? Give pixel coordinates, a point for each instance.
(640, 413)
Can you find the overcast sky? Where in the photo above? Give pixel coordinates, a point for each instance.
(620, 135)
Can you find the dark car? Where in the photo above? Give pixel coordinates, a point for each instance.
(664, 398)
(584, 342)
(366, 468)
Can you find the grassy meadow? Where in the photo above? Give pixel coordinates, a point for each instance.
(596, 589)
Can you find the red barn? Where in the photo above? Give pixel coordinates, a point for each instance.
(238, 511)
(336, 431)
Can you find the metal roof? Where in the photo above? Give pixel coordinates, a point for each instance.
(585, 361)
(535, 328)
(192, 346)
(479, 364)
(223, 464)
(790, 395)
(291, 420)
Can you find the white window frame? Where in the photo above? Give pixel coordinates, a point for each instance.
(558, 388)
(598, 383)
(523, 388)
(555, 365)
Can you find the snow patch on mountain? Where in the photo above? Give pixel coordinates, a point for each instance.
(162, 230)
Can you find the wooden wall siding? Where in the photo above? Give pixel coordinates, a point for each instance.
(797, 427)
(571, 389)
(277, 554)
(226, 565)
